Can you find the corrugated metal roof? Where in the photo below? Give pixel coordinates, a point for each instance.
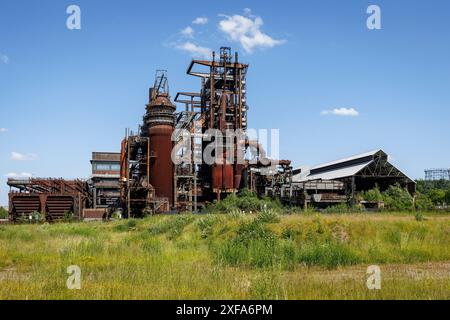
(305, 170)
(362, 155)
(335, 174)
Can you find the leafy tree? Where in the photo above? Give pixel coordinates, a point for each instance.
(373, 195)
(437, 196)
(421, 186)
(423, 202)
(426, 186)
(245, 201)
(3, 213)
(397, 198)
(447, 197)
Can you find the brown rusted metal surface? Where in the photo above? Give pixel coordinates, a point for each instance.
(228, 178)
(105, 156)
(223, 107)
(147, 170)
(52, 198)
(217, 175)
(161, 165)
(160, 122)
(220, 104)
(95, 214)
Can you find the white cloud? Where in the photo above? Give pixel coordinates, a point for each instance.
(15, 175)
(200, 20)
(17, 156)
(195, 49)
(4, 58)
(347, 112)
(247, 11)
(247, 31)
(2, 130)
(188, 32)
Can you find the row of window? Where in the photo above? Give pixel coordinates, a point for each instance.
(106, 167)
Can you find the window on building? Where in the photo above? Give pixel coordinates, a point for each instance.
(106, 167)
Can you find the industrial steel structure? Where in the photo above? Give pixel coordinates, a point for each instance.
(104, 181)
(220, 105)
(152, 180)
(146, 173)
(339, 181)
(182, 160)
(53, 198)
(437, 174)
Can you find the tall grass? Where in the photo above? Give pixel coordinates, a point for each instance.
(264, 256)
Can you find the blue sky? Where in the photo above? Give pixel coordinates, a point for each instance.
(65, 93)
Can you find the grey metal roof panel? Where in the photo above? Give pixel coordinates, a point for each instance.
(358, 156)
(336, 174)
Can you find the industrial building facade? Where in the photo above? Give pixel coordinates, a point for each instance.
(339, 181)
(104, 181)
(54, 199)
(145, 179)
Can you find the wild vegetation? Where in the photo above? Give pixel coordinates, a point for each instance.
(436, 192)
(3, 213)
(243, 248)
(246, 201)
(265, 255)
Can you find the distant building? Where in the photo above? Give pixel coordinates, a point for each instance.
(437, 174)
(338, 181)
(104, 181)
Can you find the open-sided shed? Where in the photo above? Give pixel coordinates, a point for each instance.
(357, 173)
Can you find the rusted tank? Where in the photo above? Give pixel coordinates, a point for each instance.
(160, 122)
(228, 177)
(238, 175)
(223, 177)
(217, 180)
(52, 198)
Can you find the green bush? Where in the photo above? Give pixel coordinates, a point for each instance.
(426, 186)
(253, 245)
(339, 208)
(172, 226)
(423, 202)
(128, 225)
(245, 201)
(206, 225)
(36, 216)
(117, 215)
(397, 198)
(3, 213)
(447, 197)
(437, 196)
(268, 216)
(69, 217)
(373, 195)
(419, 216)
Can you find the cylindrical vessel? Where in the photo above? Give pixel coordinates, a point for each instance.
(161, 165)
(239, 168)
(217, 173)
(160, 122)
(228, 177)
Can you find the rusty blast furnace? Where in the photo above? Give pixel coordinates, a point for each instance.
(150, 181)
(166, 165)
(221, 103)
(146, 173)
(160, 125)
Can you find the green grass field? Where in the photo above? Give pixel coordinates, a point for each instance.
(235, 256)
